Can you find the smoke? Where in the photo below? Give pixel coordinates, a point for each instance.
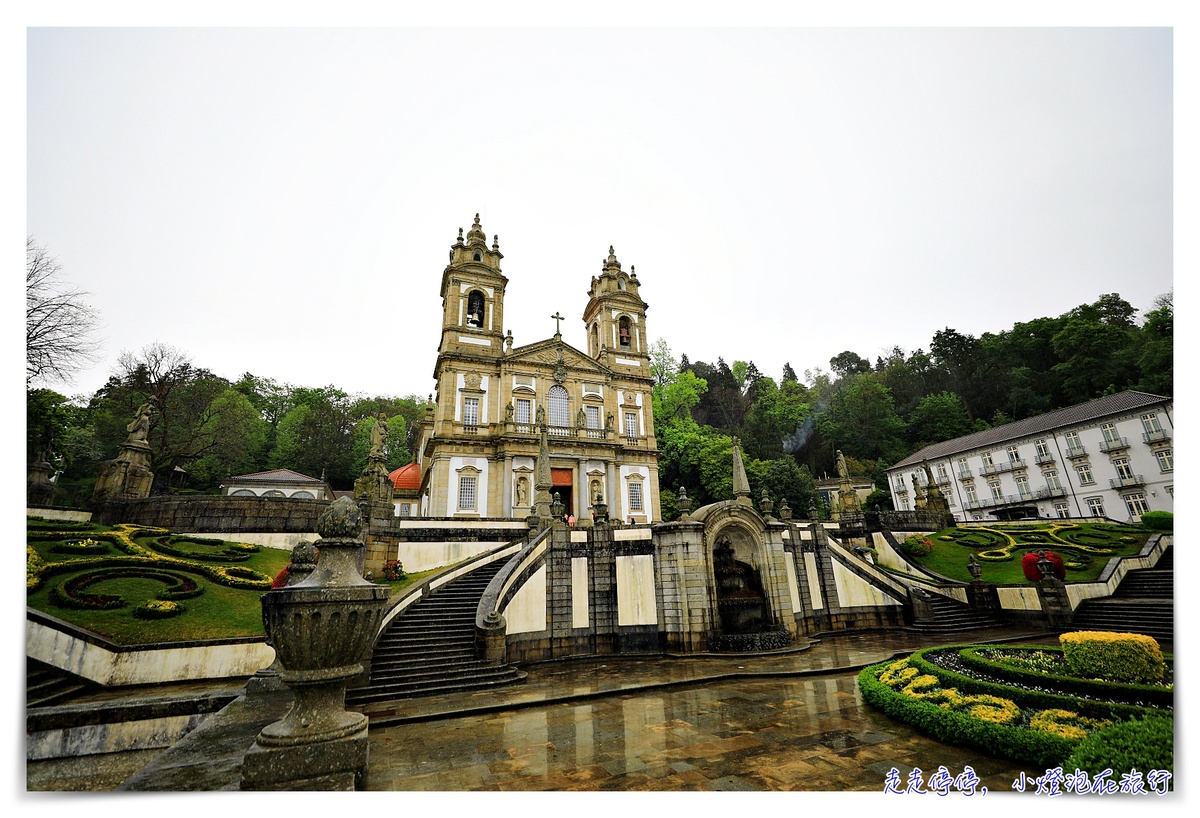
(798, 439)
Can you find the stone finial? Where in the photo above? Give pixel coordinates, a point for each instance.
(741, 485)
(476, 235)
(460, 236)
(765, 504)
(683, 503)
(496, 242)
(342, 520)
(785, 512)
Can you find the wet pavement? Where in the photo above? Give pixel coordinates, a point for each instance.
(781, 722)
(789, 721)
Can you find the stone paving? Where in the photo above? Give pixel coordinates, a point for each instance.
(788, 722)
(780, 722)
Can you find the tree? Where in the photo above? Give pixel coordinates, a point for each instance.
(789, 374)
(849, 363)
(938, 417)
(59, 324)
(663, 367)
(1156, 357)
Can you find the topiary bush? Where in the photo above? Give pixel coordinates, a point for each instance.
(1141, 744)
(1129, 657)
(1159, 520)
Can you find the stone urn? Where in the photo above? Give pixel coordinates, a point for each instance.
(322, 628)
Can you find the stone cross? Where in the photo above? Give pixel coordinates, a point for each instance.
(557, 318)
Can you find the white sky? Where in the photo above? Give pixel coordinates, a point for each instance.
(282, 201)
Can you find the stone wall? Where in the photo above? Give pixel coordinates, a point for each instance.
(206, 513)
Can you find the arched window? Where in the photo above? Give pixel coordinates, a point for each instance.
(623, 334)
(560, 406)
(595, 339)
(475, 309)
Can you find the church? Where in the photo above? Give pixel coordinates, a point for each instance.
(478, 443)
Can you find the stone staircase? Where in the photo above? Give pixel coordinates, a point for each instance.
(430, 648)
(1144, 602)
(46, 685)
(950, 616)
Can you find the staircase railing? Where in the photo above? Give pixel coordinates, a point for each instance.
(490, 626)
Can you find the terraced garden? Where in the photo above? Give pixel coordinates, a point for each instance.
(999, 548)
(137, 585)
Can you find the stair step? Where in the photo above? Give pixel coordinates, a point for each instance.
(430, 647)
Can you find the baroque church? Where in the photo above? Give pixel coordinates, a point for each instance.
(479, 441)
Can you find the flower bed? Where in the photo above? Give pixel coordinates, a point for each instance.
(1035, 726)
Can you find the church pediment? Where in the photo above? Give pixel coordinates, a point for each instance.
(547, 354)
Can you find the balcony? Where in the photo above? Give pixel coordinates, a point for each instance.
(1130, 481)
(965, 474)
(1114, 445)
(1004, 500)
(1044, 459)
(1157, 436)
(1076, 451)
(1050, 491)
(1016, 463)
(990, 469)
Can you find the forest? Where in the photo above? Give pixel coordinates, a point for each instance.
(876, 412)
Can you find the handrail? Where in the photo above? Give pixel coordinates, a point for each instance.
(498, 589)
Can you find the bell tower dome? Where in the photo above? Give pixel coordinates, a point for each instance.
(473, 296)
(615, 319)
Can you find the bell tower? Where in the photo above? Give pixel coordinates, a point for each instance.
(615, 319)
(473, 296)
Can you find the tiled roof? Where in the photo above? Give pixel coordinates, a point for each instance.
(1059, 418)
(274, 476)
(407, 477)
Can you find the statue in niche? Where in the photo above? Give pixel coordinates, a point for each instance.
(581, 418)
(541, 416)
(522, 491)
(508, 412)
(608, 422)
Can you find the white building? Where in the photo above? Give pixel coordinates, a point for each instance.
(277, 483)
(1112, 457)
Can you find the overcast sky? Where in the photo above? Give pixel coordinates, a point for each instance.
(282, 201)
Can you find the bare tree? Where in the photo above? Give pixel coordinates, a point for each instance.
(59, 324)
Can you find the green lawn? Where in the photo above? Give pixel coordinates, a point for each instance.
(998, 548)
(218, 612)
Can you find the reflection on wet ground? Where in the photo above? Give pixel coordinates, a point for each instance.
(744, 733)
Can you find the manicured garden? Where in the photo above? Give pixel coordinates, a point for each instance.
(139, 585)
(1100, 701)
(999, 549)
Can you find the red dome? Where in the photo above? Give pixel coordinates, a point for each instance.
(407, 477)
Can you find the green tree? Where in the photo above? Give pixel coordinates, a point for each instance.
(849, 363)
(938, 417)
(1156, 348)
(861, 420)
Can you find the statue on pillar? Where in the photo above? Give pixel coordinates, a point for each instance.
(847, 496)
(129, 476)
